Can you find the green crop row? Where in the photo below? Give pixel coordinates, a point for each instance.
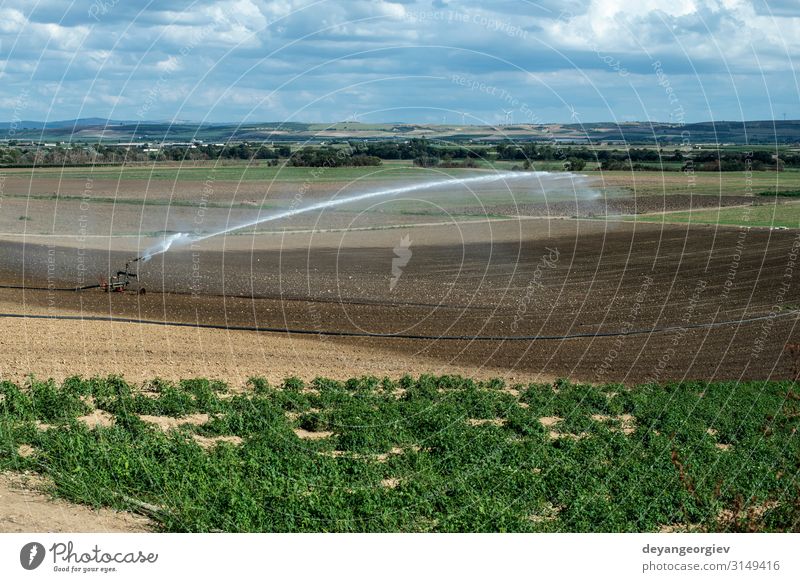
(425, 454)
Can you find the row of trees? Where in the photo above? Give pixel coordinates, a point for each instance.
(233, 151)
(418, 148)
(648, 158)
(707, 163)
(421, 151)
(331, 158)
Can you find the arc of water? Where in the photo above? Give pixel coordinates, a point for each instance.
(182, 238)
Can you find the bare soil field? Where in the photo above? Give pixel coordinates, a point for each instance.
(60, 349)
(508, 278)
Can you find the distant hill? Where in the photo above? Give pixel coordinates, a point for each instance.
(737, 132)
(86, 121)
(94, 129)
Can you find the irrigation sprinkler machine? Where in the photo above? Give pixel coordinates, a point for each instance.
(121, 280)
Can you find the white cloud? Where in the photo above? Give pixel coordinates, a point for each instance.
(12, 21)
(169, 65)
(371, 43)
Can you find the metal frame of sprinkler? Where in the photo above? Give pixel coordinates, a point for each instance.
(119, 282)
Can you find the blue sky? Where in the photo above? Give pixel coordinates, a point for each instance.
(402, 60)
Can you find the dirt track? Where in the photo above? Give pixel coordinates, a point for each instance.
(533, 277)
(25, 507)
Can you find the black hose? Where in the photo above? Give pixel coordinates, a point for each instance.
(338, 333)
(282, 298)
(26, 288)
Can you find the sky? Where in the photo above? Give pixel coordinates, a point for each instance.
(428, 61)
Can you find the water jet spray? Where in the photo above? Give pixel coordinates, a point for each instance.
(182, 238)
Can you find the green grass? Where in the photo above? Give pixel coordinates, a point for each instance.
(642, 183)
(657, 183)
(442, 205)
(695, 451)
(237, 172)
(152, 201)
(780, 215)
(783, 193)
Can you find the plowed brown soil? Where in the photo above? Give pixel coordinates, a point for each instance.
(512, 278)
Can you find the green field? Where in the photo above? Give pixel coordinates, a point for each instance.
(641, 183)
(775, 215)
(249, 171)
(241, 171)
(486, 198)
(657, 183)
(426, 454)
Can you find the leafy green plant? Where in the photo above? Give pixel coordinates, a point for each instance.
(293, 383)
(426, 454)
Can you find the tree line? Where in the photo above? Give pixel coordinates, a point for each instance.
(422, 152)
